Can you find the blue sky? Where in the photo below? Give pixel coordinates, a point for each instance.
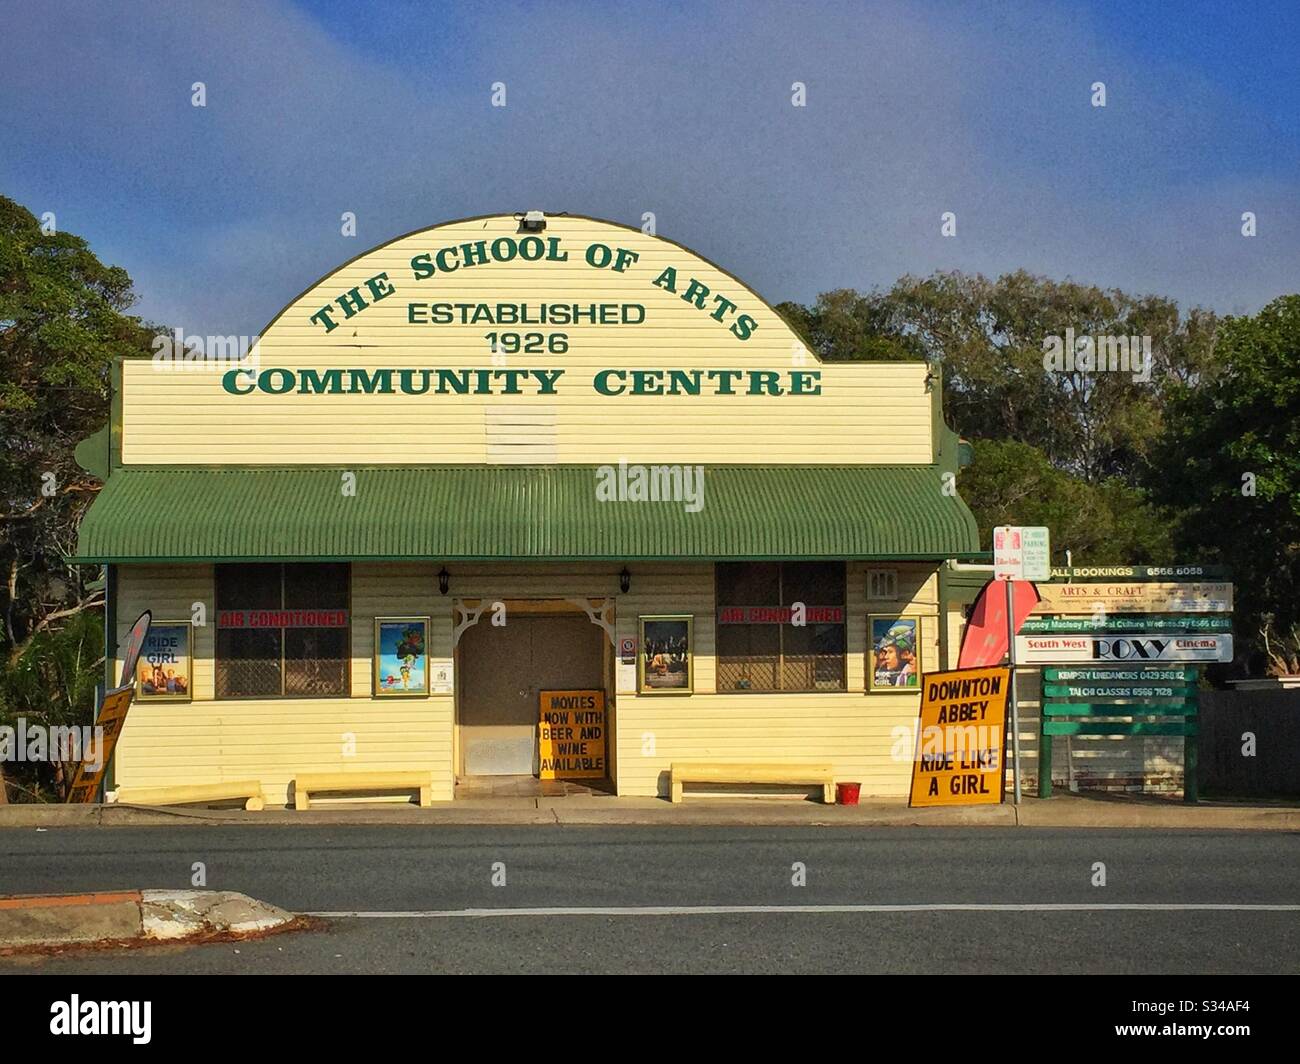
(222, 214)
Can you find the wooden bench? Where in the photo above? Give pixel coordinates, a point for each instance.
(361, 783)
(819, 775)
(249, 791)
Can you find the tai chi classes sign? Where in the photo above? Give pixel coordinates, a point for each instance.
(1133, 649)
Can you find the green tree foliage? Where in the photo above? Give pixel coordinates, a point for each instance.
(1014, 483)
(1085, 442)
(845, 325)
(53, 684)
(1231, 463)
(989, 337)
(62, 323)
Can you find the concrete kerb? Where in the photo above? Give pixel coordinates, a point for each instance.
(51, 921)
(1062, 811)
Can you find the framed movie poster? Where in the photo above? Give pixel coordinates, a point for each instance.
(893, 652)
(665, 664)
(165, 664)
(402, 657)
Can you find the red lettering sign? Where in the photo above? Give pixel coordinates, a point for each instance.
(282, 619)
(780, 615)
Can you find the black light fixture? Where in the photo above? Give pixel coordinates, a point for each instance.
(444, 580)
(624, 580)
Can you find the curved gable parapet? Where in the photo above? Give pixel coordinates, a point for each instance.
(480, 341)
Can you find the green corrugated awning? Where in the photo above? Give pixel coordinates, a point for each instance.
(520, 513)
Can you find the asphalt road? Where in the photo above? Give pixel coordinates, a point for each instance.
(696, 878)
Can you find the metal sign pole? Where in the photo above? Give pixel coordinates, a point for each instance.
(1015, 705)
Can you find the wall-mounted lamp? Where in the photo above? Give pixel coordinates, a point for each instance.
(624, 580)
(444, 580)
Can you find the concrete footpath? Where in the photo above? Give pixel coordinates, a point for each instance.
(1062, 811)
(53, 921)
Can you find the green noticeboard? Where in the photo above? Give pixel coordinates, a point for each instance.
(1146, 699)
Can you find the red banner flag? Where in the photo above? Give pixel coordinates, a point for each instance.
(985, 641)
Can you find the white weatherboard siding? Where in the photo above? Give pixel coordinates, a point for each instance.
(208, 741)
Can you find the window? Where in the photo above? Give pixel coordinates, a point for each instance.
(283, 631)
(882, 584)
(759, 647)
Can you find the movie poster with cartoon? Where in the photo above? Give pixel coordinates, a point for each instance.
(162, 671)
(893, 654)
(402, 656)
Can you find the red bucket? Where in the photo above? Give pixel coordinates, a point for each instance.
(847, 793)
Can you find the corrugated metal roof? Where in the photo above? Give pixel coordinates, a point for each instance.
(520, 512)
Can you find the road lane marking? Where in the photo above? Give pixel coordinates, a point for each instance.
(715, 910)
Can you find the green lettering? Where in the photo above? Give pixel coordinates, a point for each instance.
(805, 382)
(311, 382)
(453, 380)
(695, 293)
(667, 280)
(379, 287)
(684, 382)
(351, 302)
(725, 307)
(381, 382)
(228, 381)
(724, 378)
(286, 378)
(641, 381)
(547, 378)
(744, 327)
(322, 316)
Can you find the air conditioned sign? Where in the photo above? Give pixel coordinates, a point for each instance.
(781, 615)
(282, 619)
(1136, 649)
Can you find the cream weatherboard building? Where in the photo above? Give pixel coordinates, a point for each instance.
(527, 455)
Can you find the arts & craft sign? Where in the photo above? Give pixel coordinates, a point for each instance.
(1115, 597)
